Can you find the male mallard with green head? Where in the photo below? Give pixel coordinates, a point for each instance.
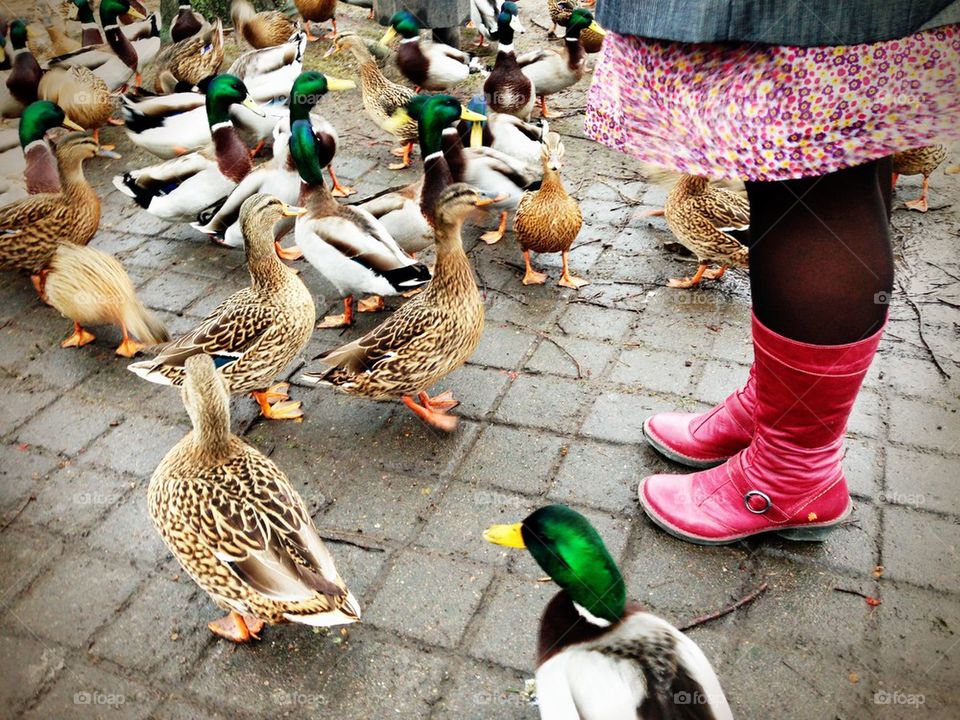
(508, 90)
(19, 87)
(40, 162)
(238, 527)
(431, 66)
(598, 656)
(256, 332)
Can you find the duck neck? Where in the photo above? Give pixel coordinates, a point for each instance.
(211, 429)
(316, 198)
(119, 43)
(267, 273)
(575, 51)
(454, 154)
(436, 179)
(505, 36)
(72, 179)
(563, 625)
(551, 183)
(452, 271)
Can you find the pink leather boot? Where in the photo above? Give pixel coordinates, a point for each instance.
(789, 479)
(703, 440)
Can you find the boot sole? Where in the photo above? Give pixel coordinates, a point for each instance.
(804, 533)
(676, 457)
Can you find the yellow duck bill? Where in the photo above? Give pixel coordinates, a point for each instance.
(505, 535)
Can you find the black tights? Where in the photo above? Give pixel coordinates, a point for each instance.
(821, 264)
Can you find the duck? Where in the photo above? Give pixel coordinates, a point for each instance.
(32, 228)
(347, 245)
(598, 655)
(426, 339)
(90, 287)
(509, 90)
(704, 218)
(20, 83)
(255, 332)
(92, 34)
(193, 59)
(560, 11)
(121, 58)
(382, 98)
(279, 177)
(317, 11)
(238, 527)
(53, 25)
(83, 96)
(430, 66)
(918, 161)
(548, 220)
(269, 73)
(494, 172)
(520, 139)
(178, 190)
(550, 70)
(398, 210)
(261, 29)
(28, 157)
(186, 23)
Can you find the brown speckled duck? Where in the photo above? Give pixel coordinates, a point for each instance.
(32, 228)
(701, 216)
(427, 338)
(919, 161)
(261, 29)
(238, 527)
(548, 220)
(255, 333)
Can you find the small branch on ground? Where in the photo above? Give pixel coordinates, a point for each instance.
(345, 540)
(933, 356)
(871, 601)
(745, 600)
(561, 348)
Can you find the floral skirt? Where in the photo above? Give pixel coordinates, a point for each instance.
(768, 112)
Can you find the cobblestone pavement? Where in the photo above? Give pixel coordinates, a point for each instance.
(99, 621)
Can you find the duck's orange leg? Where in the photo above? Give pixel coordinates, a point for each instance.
(688, 282)
(492, 237)
(338, 189)
(404, 153)
(339, 321)
(78, 338)
(128, 347)
(291, 253)
(274, 403)
(237, 628)
(437, 418)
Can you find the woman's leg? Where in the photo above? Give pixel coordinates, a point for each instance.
(821, 270)
(821, 265)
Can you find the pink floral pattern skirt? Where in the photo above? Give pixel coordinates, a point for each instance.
(768, 112)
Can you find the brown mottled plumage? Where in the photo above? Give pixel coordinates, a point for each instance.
(31, 228)
(427, 338)
(257, 331)
(238, 527)
(193, 59)
(919, 161)
(700, 214)
(84, 97)
(548, 220)
(91, 287)
(381, 97)
(261, 29)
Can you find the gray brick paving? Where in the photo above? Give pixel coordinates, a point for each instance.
(100, 622)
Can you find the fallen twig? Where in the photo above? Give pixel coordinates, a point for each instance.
(354, 543)
(871, 601)
(561, 348)
(745, 600)
(630, 199)
(933, 356)
(16, 513)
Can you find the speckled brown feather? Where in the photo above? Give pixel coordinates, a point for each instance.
(696, 211)
(548, 220)
(187, 61)
(235, 523)
(919, 161)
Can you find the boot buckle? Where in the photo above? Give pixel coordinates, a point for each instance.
(747, 501)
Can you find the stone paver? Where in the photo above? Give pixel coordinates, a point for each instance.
(99, 621)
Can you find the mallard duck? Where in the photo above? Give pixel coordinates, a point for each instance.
(317, 11)
(92, 34)
(53, 24)
(237, 525)
(347, 245)
(83, 96)
(193, 59)
(702, 217)
(509, 90)
(548, 220)
(429, 337)
(28, 158)
(261, 29)
(560, 11)
(19, 87)
(494, 172)
(31, 228)
(919, 161)
(599, 656)
(269, 73)
(279, 177)
(398, 209)
(550, 70)
(381, 97)
(432, 66)
(90, 287)
(255, 333)
(179, 189)
(186, 23)
(121, 58)
(508, 134)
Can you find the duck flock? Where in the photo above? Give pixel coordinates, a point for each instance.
(228, 513)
